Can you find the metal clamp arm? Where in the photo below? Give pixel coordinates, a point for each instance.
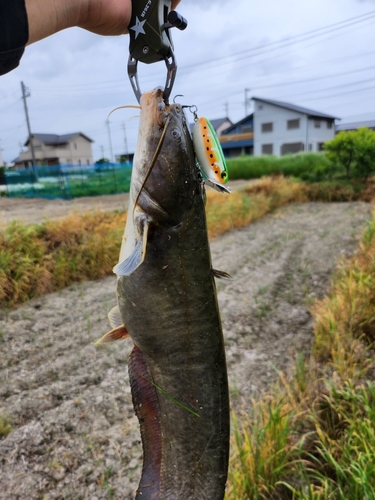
(151, 41)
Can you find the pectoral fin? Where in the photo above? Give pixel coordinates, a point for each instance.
(136, 258)
(222, 275)
(114, 317)
(118, 333)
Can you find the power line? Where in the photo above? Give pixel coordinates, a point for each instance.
(239, 56)
(292, 40)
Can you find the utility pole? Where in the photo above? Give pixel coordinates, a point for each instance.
(125, 143)
(102, 148)
(110, 140)
(226, 106)
(2, 163)
(25, 94)
(247, 101)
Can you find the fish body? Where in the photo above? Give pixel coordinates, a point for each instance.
(209, 151)
(167, 302)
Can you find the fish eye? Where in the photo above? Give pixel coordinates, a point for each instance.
(175, 133)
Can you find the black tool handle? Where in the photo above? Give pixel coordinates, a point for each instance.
(150, 40)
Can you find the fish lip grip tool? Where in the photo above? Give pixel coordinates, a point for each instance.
(151, 41)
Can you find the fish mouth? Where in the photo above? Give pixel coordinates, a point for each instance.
(153, 112)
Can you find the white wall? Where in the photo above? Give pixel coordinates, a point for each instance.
(77, 152)
(306, 133)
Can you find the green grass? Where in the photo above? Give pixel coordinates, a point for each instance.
(255, 167)
(324, 444)
(5, 426)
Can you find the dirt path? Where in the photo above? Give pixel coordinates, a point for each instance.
(75, 435)
(33, 210)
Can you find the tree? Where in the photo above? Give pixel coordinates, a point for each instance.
(102, 160)
(342, 150)
(365, 153)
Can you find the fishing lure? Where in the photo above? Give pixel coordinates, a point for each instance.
(208, 151)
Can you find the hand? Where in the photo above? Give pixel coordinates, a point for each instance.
(108, 17)
(103, 17)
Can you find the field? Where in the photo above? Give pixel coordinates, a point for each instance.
(74, 431)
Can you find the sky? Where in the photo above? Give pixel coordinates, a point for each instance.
(320, 55)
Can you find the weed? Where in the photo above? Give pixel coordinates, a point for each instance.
(263, 289)
(5, 426)
(47, 257)
(317, 429)
(88, 322)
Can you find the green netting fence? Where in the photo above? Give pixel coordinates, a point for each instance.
(66, 181)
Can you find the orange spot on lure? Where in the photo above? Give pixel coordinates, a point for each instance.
(208, 151)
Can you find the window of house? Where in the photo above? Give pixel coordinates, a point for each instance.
(267, 127)
(75, 145)
(329, 124)
(292, 124)
(320, 146)
(79, 162)
(292, 147)
(267, 149)
(317, 123)
(310, 147)
(260, 106)
(88, 162)
(246, 129)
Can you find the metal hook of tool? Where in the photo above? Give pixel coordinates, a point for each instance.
(150, 40)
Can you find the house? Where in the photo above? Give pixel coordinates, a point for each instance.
(219, 124)
(238, 139)
(355, 126)
(281, 128)
(52, 149)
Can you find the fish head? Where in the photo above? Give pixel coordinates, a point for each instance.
(165, 178)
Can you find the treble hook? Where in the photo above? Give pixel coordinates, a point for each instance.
(175, 97)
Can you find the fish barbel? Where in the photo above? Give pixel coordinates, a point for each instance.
(168, 305)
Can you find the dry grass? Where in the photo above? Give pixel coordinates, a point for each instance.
(324, 417)
(245, 206)
(42, 258)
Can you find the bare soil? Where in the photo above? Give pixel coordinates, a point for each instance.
(74, 433)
